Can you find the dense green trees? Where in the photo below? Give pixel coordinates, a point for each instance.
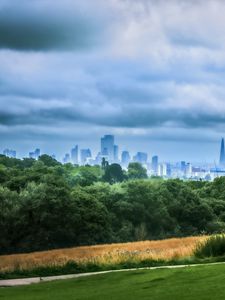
(113, 173)
(44, 205)
(136, 171)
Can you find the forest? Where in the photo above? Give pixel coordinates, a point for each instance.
(45, 205)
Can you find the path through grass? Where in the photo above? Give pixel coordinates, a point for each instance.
(202, 283)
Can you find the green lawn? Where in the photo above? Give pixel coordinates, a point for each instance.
(202, 282)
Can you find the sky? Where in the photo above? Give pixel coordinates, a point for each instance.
(151, 72)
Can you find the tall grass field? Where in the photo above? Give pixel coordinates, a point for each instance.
(112, 254)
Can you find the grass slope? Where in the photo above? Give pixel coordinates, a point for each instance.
(202, 283)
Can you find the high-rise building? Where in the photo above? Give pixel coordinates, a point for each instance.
(141, 157)
(162, 170)
(116, 153)
(10, 153)
(35, 154)
(107, 146)
(222, 153)
(125, 158)
(169, 170)
(84, 155)
(66, 158)
(189, 170)
(74, 155)
(155, 163)
(183, 166)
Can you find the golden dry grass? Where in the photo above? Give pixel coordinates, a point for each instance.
(110, 253)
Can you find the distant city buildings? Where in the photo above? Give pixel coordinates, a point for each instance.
(125, 159)
(66, 158)
(141, 157)
(35, 154)
(222, 154)
(85, 155)
(110, 152)
(116, 153)
(9, 153)
(155, 163)
(74, 155)
(107, 147)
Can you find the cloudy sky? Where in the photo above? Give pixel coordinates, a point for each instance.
(152, 72)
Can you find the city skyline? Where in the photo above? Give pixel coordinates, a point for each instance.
(113, 151)
(109, 152)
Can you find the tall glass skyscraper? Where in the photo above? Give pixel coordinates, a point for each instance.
(74, 155)
(125, 158)
(107, 146)
(155, 163)
(84, 155)
(222, 153)
(141, 157)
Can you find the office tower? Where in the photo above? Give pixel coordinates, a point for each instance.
(169, 170)
(222, 153)
(125, 158)
(31, 155)
(66, 158)
(13, 153)
(116, 153)
(35, 154)
(10, 153)
(141, 157)
(155, 162)
(74, 155)
(188, 170)
(85, 154)
(183, 166)
(162, 170)
(107, 146)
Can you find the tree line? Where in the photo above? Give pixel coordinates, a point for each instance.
(46, 205)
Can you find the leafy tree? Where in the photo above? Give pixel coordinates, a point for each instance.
(113, 174)
(94, 226)
(8, 219)
(48, 160)
(136, 171)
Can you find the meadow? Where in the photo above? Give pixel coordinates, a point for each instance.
(199, 282)
(109, 254)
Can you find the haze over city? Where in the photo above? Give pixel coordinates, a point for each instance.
(149, 72)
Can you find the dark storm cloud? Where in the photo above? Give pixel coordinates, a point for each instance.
(31, 25)
(132, 117)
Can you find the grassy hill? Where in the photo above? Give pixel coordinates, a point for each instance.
(202, 283)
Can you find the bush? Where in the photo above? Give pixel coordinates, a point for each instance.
(212, 247)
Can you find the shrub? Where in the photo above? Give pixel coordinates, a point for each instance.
(214, 246)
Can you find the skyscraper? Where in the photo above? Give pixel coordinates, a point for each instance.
(116, 153)
(141, 157)
(222, 153)
(155, 163)
(84, 155)
(66, 158)
(125, 158)
(74, 155)
(9, 153)
(107, 146)
(35, 154)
